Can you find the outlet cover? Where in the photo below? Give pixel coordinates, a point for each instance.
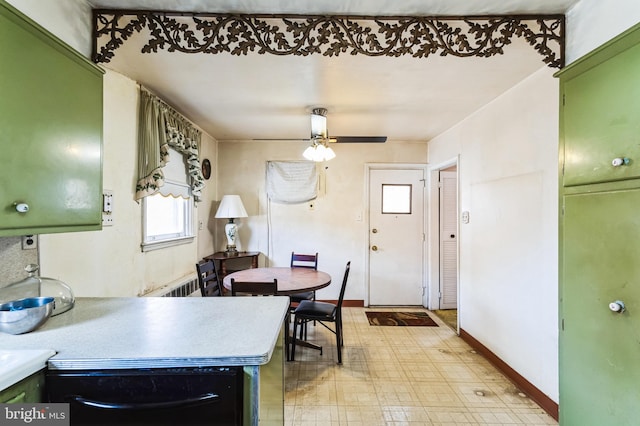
(29, 242)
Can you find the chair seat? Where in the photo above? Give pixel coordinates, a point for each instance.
(299, 297)
(312, 310)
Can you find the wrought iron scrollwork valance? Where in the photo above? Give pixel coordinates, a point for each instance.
(418, 36)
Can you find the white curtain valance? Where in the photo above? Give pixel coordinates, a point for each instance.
(292, 182)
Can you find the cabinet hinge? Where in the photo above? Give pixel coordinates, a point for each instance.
(562, 326)
(563, 99)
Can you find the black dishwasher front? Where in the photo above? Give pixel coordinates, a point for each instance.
(158, 396)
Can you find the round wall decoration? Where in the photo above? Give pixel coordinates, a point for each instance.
(206, 168)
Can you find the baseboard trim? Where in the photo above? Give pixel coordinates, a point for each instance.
(546, 403)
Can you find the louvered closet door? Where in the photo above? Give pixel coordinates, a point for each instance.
(448, 240)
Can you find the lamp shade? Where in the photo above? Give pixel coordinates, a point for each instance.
(231, 207)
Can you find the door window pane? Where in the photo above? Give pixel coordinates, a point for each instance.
(396, 199)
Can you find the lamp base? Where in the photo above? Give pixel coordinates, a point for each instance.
(231, 230)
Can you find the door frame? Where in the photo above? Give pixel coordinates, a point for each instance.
(368, 167)
(433, 263)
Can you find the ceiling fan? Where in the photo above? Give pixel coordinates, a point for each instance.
(319, 149)
(319, 132)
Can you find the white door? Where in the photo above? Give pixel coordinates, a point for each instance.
(396, 236)
(448, 240)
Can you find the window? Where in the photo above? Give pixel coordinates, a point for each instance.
(396, 199)
(167, 217)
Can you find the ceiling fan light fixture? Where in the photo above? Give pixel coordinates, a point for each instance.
(318, 152)
(319, 123)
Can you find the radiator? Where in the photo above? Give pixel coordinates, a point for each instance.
(183, 287)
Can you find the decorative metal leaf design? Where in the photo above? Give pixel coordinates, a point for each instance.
(417, 36)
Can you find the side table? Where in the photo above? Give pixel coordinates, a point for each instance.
(224, 257)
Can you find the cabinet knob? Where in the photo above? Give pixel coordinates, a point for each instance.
(617, 306)
(374, 248)
(374, 230)
(620, 161)
(22, 207)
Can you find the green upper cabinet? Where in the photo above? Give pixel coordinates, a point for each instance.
(601, 114)
(50, 132)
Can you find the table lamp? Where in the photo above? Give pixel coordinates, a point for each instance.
(231, 208)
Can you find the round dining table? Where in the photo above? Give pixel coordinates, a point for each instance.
(290, 280)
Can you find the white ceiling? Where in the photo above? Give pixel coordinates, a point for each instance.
(270, 97)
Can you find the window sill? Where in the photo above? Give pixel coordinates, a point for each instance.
(157, 245)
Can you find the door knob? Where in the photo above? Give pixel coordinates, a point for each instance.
(22, 207)
(620, 161)
(374, 230)
(617, 306)
(374, 248)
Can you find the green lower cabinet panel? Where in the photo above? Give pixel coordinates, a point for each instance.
(25, 391)
(600, 348)
(51, 132)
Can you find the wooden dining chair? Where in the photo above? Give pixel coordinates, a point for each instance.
(208, 279)
(309, 261)
(263, 288)
(254, 288)
(322, 312)
(299, 260)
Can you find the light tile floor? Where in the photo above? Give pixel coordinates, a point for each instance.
(400, 376)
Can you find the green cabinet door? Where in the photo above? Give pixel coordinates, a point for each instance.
(601, 120)
(27, 390)
(50, 132)
(599, 348)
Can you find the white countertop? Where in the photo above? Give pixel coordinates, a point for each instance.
(158, 332)
(15, 365)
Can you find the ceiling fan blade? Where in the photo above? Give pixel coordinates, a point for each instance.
(281, 139)
(360, 139)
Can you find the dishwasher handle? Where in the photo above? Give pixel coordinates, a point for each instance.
(201, 399)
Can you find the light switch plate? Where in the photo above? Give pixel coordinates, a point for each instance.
(107, 207)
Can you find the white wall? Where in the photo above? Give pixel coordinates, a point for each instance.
(508, 250)
(508, 183)
(69, 20)
(591, 23)
(331, 228)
